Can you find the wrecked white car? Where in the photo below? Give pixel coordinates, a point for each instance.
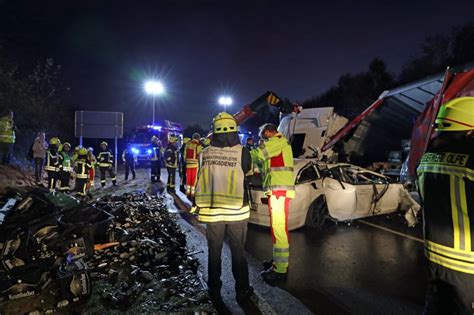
(338, 192)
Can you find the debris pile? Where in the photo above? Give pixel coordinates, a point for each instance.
(121, 252)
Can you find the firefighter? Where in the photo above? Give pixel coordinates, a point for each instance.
(65, 167)
(155, 159)
(171, 162)
(82, 167)
(278, 181)
(52, 163)
(7, 136)
(222, 203)
(446, 183)
(182, 165)
(93, 161)
(192, 150)
(106, 161)
(129, 159)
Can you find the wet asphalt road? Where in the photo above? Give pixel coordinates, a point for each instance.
(356, 268)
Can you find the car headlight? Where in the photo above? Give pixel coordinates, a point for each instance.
(135, 151)
(148, 151)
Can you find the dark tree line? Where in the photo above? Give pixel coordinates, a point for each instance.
(354, 92)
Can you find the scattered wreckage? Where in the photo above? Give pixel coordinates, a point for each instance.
(338, 192)
(121, 252)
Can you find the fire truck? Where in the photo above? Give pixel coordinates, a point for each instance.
(140, 138)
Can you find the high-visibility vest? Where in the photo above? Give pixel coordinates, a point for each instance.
(446, 182)
(65, 162)
(191, 153)
(52, 162)
(7, 131)
(277, 156)
(106, 158)
(220, 187)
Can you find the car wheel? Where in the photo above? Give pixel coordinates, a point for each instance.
(318, 214)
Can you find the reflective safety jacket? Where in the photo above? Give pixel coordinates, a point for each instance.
(7, 130)
(256, 162)
(129, 157)
(82, 168)
(52, 161)
(220, 187)
(155, 152)
(171, 156)
(191, 153)
(65, 162)
(446, 183)
(105, 158)
(277, 157)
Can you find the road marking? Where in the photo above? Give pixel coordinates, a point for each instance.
(392, 231)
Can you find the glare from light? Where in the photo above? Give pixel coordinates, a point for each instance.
(148, 151)
(154, 87)
(225, 100)
(135, 151)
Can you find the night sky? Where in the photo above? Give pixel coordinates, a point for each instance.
(201, 49)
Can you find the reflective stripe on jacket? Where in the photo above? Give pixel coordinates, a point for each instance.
(7, 130)
(277, 156)
(220, 187)
(191, 154)
(171, 156)
(82, 169)
(52, 161)
(155, 152)
(446, 182)
(105, 158)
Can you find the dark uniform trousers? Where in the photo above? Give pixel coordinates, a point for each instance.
(52, 179)
(81, 185)
(155, 171)
(129, 167)
(171, 185)
(236, 232)
(64, 179)
(109, 170)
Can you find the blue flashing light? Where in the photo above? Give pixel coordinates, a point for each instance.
(135, 151)
(148, 151)
(154, 127)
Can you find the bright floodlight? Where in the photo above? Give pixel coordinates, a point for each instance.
(225, 100)
(154, 87)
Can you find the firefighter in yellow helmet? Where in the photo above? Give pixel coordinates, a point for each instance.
(191, 158)
(65, 167)
(7, 136)
(171, 162)
(278, 181)
(52, 163)
(222, 203)
(446, 183)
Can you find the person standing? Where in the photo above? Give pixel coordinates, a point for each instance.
(7, 136)
(446, 184)
(65, 167)
(182, 165)
(106, 162)
(93, 161)
(222, 203)
(171, 162)
(52, 163)
(82, 167)
(278, 182)
(129, 159)
(155, 159)
(192, 150)
(40, 146)
(250, 144)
